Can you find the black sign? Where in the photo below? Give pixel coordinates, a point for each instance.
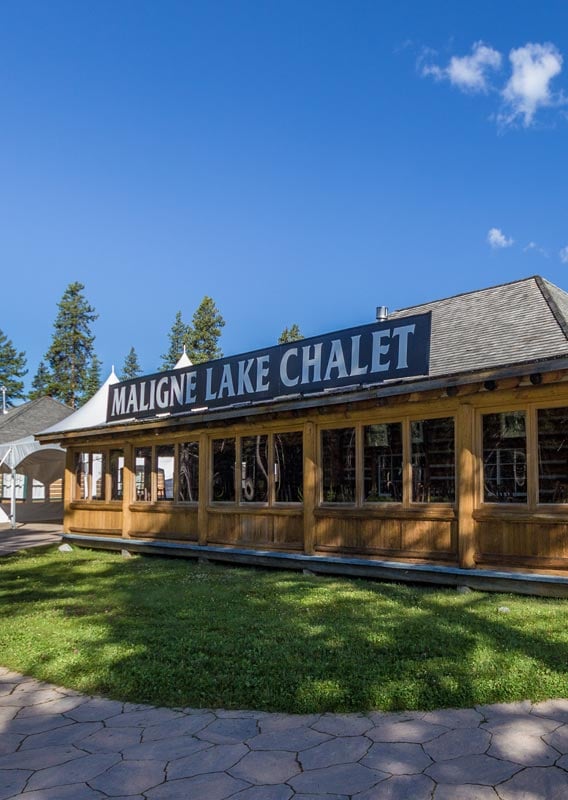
(396, 348)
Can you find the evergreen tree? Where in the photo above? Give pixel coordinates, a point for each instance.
(205, 332)
(131, 367)
(93, 379)
(41, 383)
(291, 334)
(179, 335)
(12, 369)
(71, 352)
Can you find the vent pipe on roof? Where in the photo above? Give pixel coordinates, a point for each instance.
(382, 313)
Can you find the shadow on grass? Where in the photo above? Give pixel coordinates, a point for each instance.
(176, 633)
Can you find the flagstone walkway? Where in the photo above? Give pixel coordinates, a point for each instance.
(57, 744)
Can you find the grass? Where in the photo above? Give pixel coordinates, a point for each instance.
(177, 633)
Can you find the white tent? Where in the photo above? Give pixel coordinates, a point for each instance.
(90, 415)
(44, 463)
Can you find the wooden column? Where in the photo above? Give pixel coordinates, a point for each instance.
(204, 469)
(465, 488)
(310, 486)
(128, 489)
(68, 487)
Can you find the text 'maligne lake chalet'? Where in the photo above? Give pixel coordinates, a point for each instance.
(430, 445)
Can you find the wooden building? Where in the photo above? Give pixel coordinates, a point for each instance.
(431, 445)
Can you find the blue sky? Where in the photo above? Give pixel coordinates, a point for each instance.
(297, 161)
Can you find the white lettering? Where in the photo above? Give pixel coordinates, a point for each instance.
(244, 382)
(313, 361)
(226, 382)
(379, 350)
(209, 393)
(162, 392)
(118, 401)
(284, 377)
(152, 401)
(176, 389)
(191, 387)
(403, 333)
(132, 404)
(262, 369)
(143, 405)
(336, 361)
(356, 368)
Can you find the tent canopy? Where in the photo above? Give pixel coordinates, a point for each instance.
(42, 462)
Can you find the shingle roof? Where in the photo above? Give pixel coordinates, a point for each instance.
(29, 418)
(513, 323)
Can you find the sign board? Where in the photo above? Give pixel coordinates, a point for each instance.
(392, 349)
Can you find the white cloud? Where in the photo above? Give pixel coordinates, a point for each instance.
(536, 248)
(468, 73)
(528, 88)
(497, 239)
(564, 255)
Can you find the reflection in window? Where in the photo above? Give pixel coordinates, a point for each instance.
(289, 467)
(38, 490)
(553, 455)
(116, 472)
(254, 469)
(97, 476)
(188, 476)
(504, 458)
(383, 463)
(143, 470)
(433, 460)
(82, 476)
(224, 454)
(165, 472)
(338, 462)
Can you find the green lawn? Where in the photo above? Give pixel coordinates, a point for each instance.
(176, 633)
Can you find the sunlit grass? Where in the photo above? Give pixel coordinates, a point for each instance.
(177, 633)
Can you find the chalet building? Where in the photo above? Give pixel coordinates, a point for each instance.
(431, 445)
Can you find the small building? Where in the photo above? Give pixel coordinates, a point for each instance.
(429, 445)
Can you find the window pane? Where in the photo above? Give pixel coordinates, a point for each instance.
(254, 469)
(224, 454)
(504, 458)
(81, 476)
(97, 476)
(188, 472)
(383, 463)
(116, 473)
(38, 490)
(433, 460)
(338, 456)
(289, 467)
(553, 455)
(165, 472)
(143, 462)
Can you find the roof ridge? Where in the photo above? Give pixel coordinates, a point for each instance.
(543, 286)
(534, 278)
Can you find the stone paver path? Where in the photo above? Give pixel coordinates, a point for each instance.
(57, 744)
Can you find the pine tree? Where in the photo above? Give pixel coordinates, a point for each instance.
(291, 334)
(131, 368)
(93, 379)
(12, 368)
(41, 383)
(205, 331)
(71, 351)
(179, 336)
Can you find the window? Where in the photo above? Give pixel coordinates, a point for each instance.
(254, 469)
(116, 462)
(505, 457)
(338, 464)
(553, 455)
(383, 463)
(433, 460)
(288, 467)
(223, 484)
(188, 472)
(143, 462)
(165, 472)
(90, 476)
(21, 486)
